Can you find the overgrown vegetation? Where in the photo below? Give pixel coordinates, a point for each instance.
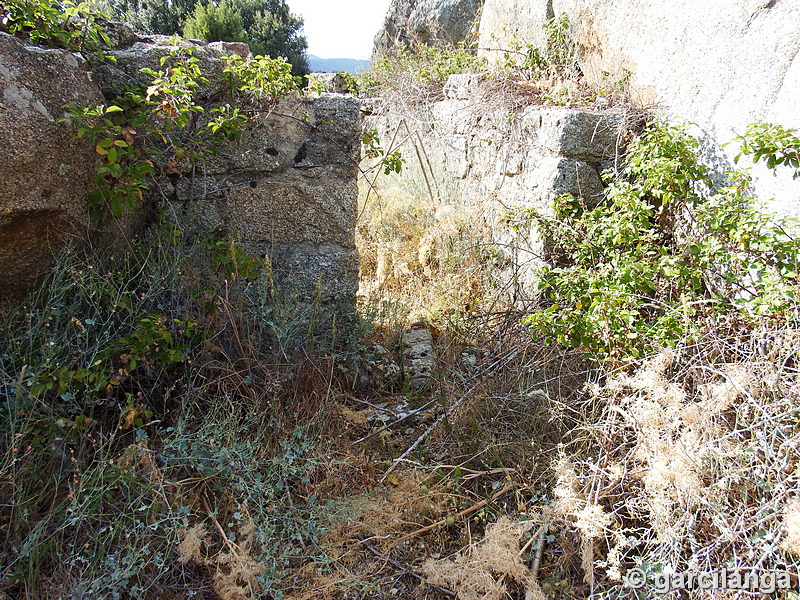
(523, 74)
(420, 73)
(69, 25)
(673, 450)
(152, 438)
(171, 427)
(664, 258)
(153, 128)
(152, 442)
(558, 58)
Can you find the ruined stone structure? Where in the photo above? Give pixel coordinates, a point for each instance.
(287, 190)
(494, 160)
(719, 66)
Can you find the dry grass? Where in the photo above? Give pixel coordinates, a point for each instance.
(420, 261)
(688, 465)
(485, 570)
(687, 461)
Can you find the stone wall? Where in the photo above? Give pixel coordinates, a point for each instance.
(46, 170)
(287, 189)
(720, 65)
(467, 152)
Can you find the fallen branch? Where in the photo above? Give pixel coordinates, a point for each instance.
(464, 513)
(235, 550)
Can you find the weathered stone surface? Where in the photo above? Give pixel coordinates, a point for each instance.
(288, 191)
(431, 22)
(487, 161)
(145, 52)
(419, 359)
(47, 171)
(462, 86)
(335, 83)
(718, 66)
(506, 24)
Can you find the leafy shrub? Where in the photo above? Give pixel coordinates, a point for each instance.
(371, 148)
(136, 404)
(69, 25)
(561, 53)
(215, 22)
(130, 134)
(131, 131)
(262, 78)
(663, 253)
(773, 144)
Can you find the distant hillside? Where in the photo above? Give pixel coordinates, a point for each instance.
(329, 65)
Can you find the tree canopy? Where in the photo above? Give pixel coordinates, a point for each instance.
(268, 26)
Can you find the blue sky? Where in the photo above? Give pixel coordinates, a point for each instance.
(340, 28)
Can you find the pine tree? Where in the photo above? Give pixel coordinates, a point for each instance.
(215, 22)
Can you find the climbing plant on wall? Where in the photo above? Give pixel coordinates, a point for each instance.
(70, 25)
(137, 133)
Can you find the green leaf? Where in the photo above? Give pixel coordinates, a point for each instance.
(99, 196)
(114, 109)
(116, 207)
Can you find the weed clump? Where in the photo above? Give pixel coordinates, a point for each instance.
(485, 571)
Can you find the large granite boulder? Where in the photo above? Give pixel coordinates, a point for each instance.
(718, 65)
(47, 171)
(430, 22)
